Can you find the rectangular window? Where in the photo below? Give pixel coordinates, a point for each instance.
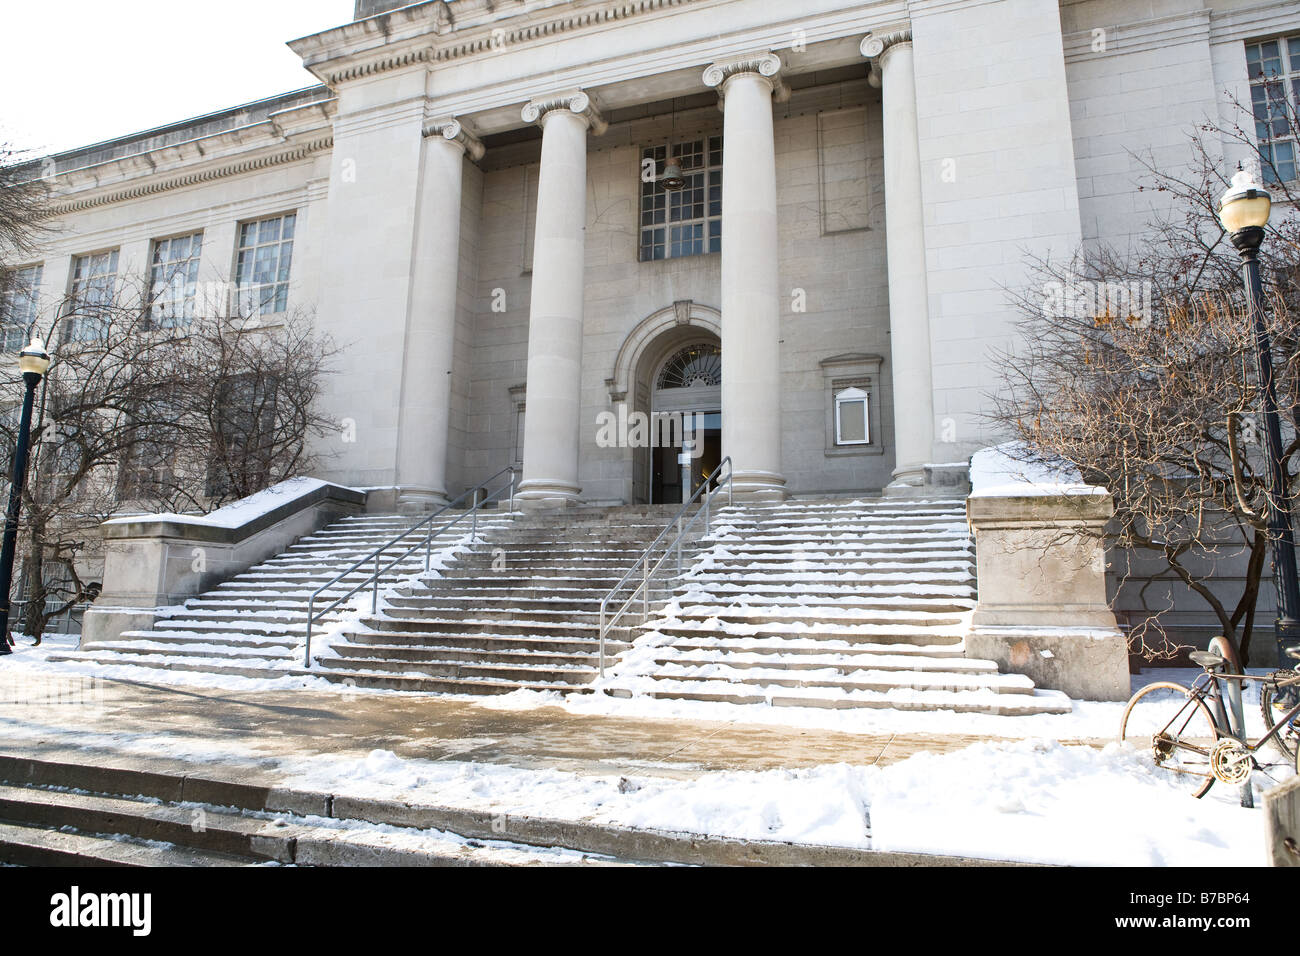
(262, 269)
(851, 417)
(19, 294)
(174, 281)
(94, 293)
(685, 221)
(1274, 70)
(242, 456)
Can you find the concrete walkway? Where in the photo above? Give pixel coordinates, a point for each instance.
(299, 723)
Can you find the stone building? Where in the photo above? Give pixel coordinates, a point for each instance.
(476, 202)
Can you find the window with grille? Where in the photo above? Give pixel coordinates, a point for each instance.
(686, 221)
(1274, 70)
(19, 292)
(262, 268)
(94, 293)
(174, 281)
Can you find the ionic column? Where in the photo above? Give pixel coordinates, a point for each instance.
(424, 417)
(751, 304)
(909, 306)
(552, 423)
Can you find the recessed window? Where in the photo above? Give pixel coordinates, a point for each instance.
(1274, 70)
(262, 270)
(174, 280)
(851, 420)
(686, 221)
(94, 293)
(696, 366)
(19, 293)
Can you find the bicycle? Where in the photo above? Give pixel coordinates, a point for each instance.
(1199, 743)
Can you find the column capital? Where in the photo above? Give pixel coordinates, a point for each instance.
(763, 63)
(453, 132)
(575, 101)
(874, 45)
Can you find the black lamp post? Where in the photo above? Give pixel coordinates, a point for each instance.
(1244, 211)
(33, 361)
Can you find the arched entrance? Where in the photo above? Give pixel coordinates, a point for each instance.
(686, 406)
(655, 372)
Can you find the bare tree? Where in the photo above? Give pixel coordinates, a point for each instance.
(1139, 366)
(136, 415)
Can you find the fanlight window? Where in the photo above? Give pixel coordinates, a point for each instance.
(851, 424)
(698, 366)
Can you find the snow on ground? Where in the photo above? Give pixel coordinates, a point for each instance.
(1028, 797)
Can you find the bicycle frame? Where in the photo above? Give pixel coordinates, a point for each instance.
(1208, 685)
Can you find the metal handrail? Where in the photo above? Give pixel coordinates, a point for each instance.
(373, 579)
(643, 562)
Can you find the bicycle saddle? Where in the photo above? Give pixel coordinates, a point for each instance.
(1206, 658)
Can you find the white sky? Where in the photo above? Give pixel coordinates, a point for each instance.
(75, 72)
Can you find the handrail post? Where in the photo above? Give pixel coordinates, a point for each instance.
(645, 589)
(374, 590)
(306, 658)
(602, 640)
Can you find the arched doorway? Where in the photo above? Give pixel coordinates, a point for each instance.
(655, 372)
(686, 408)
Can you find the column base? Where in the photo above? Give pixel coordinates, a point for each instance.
(420, 500)
(540, 494)
(759, 486)
(909, 482)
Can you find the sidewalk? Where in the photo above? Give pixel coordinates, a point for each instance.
(299, 723)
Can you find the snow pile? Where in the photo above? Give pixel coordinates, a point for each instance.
(1011, 470)
(1039, 801)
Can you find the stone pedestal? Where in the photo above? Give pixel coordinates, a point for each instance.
(1042, 608)
(153, 562)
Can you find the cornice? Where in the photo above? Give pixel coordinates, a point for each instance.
(441, 41)
(1141, 35)
(575, 101)
(1255, 22)
(154, 186)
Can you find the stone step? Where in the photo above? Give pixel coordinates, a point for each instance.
(22, 845)
(483, 670)
(964, 702)
(402, 652)
(866, 634)
(433, 685)
(224, 666)
(486, 642)
(814, 659)
(764, 679)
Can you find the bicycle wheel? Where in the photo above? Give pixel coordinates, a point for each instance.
(1178, 731)
(1273, 704)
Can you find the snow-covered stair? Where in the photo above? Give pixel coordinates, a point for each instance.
(254, 624)
(828, 603)
(519, 610)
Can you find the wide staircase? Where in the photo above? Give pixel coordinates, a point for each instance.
(254, 625)
(826, 603)
(520, 610)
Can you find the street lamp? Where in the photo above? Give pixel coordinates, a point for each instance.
(33, 362)
(1244, 210)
